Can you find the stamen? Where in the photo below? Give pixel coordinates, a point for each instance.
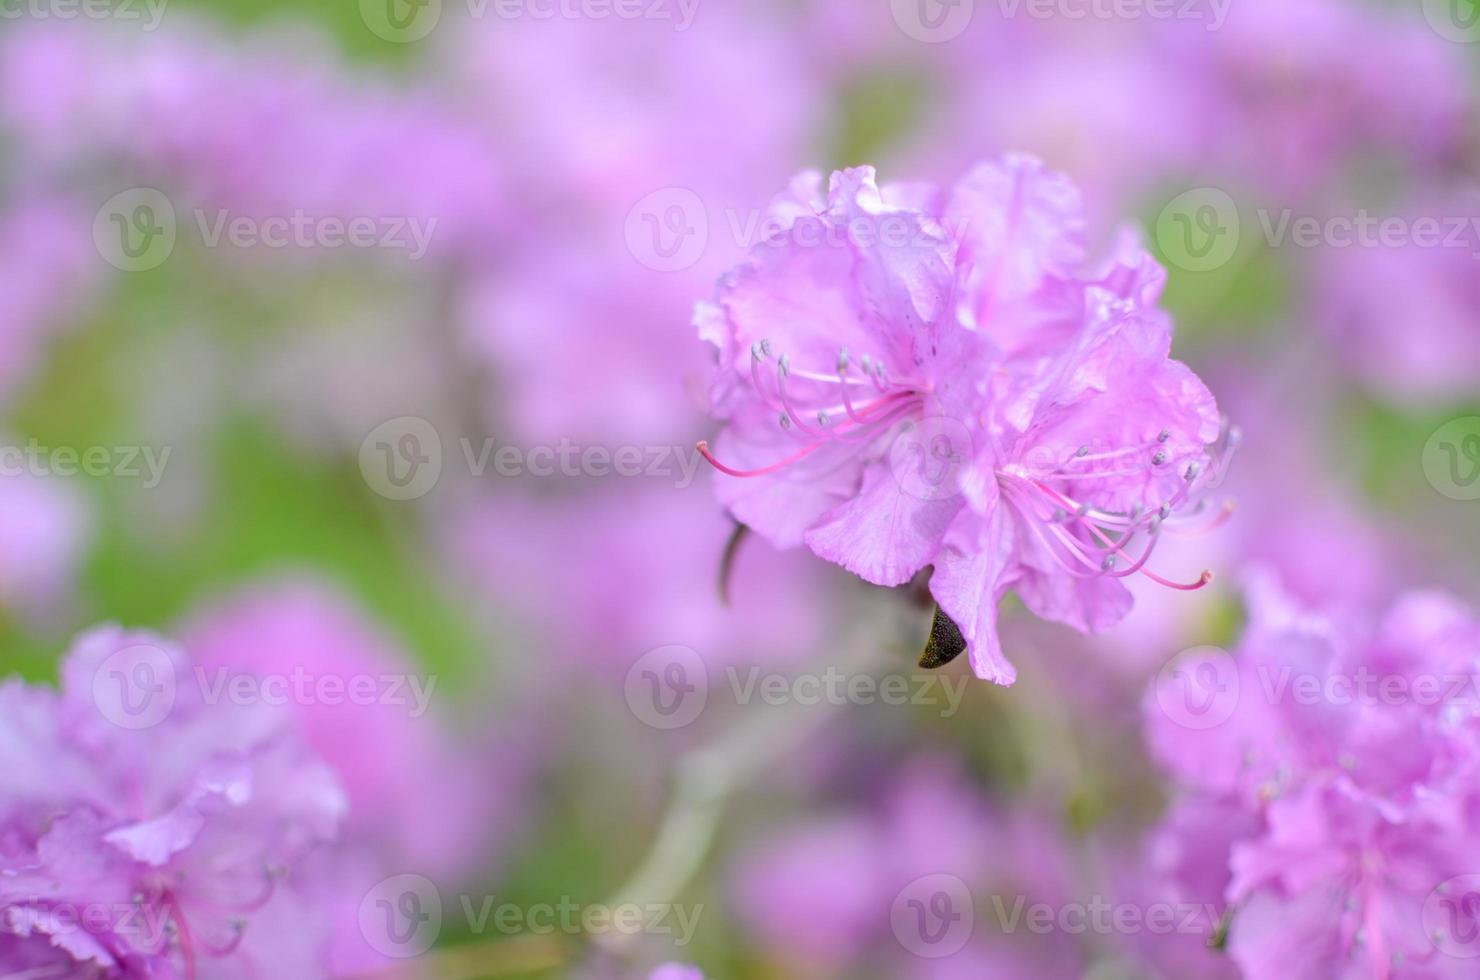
(1115, 547)
(703, 446)
(782, 370)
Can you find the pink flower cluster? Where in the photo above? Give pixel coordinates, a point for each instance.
(144, 832)
(914, 376)
(1327, 787)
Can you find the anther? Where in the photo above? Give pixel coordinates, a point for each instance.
(843, 361)
(1164, 435)
(1159, 458)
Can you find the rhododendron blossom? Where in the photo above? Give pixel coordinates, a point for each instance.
(146, 832)
(914, 376)
(1335, 804)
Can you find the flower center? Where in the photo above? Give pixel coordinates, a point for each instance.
(1089, 540)
(855, 404)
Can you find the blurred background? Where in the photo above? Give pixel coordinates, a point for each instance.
(355, 340)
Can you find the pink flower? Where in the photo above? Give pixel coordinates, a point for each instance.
(912, 376)
(367, 709)
(1406, 320)
(1340, 786)
(45, 525)
(821, 895)
(677, 971)
(419, 799)
(145, 832)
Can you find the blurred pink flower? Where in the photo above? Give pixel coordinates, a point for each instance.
(419, 800)
(677, 971)
(1406, 319)
(1341, 783)
(45, 527)
(260, 130)
(1297, 114)
(586, 345)
(817, 894)
(147, 832)
(1064, 430)
(415, 794)
(608, 110)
